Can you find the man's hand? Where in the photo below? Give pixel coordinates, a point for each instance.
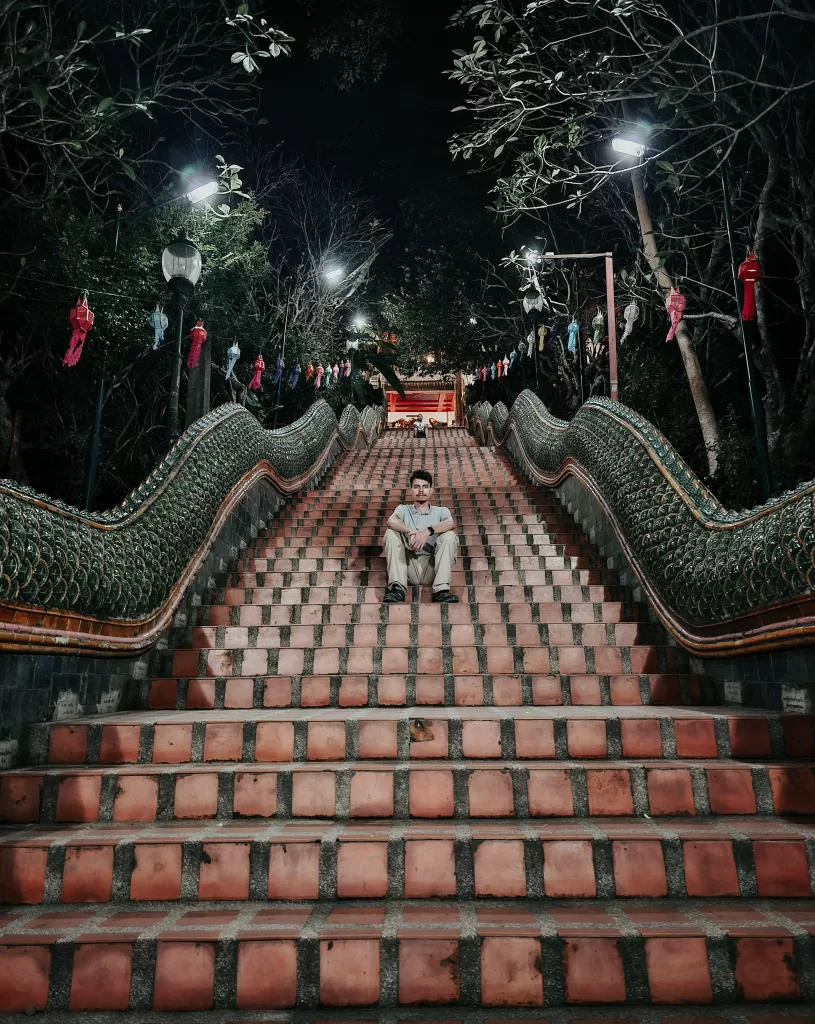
(417, 540)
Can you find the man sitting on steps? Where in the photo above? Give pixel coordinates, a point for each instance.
(420, 544)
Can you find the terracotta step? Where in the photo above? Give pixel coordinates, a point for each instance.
(458, 660)
(500, 635)
(370, 546)
(327, 544)
(626, 859)
(550, 594)
(491, 519)
(458, 578)
(373, 562)
(422, 788)
(527, 734)
(290, 610)
(311, 691)
(261, 956)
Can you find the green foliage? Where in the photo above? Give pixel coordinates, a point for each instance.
(356, 40)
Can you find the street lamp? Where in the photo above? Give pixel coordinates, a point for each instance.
(634, 147)
(334, 275)
(181, 264)
(628, 147)
(202, 192)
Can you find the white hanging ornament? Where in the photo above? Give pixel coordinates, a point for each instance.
(233, 354)
(158, 321)
(631, 314)
(530, 339)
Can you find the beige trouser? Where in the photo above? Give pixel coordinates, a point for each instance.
(405, 565)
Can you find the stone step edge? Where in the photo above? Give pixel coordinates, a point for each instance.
(424, 691)
(349, 735)
(403, 863)
(421, 789)
(314, 964)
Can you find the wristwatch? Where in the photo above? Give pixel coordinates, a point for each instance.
(430, 530)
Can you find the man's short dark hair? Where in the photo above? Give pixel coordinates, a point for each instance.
(421, 474)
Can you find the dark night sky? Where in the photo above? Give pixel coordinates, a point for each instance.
(392, 135)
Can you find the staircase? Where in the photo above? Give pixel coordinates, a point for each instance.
(523, 800)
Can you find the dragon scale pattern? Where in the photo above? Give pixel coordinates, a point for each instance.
(719, 578)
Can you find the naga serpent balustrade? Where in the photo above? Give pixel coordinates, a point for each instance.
(722, 581)
(109, 582)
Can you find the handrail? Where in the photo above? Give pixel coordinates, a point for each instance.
(74, 581)
(722, 581)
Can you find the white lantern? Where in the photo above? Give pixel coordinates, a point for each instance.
(181, 261)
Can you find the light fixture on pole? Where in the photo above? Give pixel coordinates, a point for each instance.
(628, 146)
(181, 264)
(334, 275)
(202, 192)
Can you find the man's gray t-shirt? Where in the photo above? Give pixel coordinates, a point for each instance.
(421, 520)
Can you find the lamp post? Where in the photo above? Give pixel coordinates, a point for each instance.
(633, 146)
(181, 264)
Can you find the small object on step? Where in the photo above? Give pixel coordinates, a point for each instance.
(444, 597)
(395, 594)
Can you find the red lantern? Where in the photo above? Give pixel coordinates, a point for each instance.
(82, 321)
(260, 366)
(199, 336)
(749, 273)
(675, 304)
(309, 371)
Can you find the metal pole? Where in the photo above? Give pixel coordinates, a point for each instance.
(175, 371)
(612, 328)
(283, 357)
(762, 455)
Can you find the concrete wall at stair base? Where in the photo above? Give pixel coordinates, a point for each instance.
(778, 680)
(50, 687)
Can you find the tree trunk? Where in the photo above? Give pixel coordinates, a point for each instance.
(698, 387)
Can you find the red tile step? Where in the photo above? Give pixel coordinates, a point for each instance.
(480, 595)
(414, 860)
(422, 789)
(302, 658)
(501, 635)
(458, 578)
(309, 691)
(527, 734)
(261, 956)
(292, 610)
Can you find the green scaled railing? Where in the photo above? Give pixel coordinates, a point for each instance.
(109, 581)
(722, 581)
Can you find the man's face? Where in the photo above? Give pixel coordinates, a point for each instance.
(421, 491)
